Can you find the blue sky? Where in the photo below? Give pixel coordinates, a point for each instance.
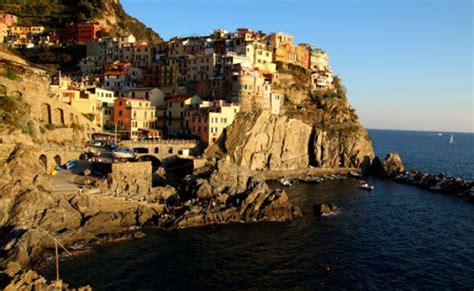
(407, 64)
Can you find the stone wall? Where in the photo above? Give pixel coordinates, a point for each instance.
(131, 178)
(162, 149)
(46, 113)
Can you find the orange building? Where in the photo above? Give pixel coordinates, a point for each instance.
(134, 115)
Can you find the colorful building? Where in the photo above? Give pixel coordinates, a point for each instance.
(177, 107)
(8, 19)
(134, 116)
(209, 123)
(80, 33)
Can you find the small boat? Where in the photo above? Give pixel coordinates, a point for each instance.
(315, 180)
(366, 186)
(120, 153)
(440, 134)
(285, 182)
(355, 174)
(451, 140)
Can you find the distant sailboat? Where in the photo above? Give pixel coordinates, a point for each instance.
(451, 140)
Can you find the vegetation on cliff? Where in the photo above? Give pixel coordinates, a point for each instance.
(54, 14)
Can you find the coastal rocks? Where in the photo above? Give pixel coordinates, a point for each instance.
(30, 280)
(322, 209)
(438, 183)
(130, 178)
(236, 196)
(393, 164)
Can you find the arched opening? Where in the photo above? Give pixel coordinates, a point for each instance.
(157, 150)
(46, 113)
(141, 150)
(155, 162)
(3, 90)
(43, 160)
(60, 114)
(57, 160)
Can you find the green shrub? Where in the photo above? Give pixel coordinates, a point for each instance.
(11, 73)
(29, 129)
(50, 126)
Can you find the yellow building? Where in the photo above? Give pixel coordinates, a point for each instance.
(142, 56)
(278, 39)
(175, 113)
(202, 67)
(3, 32)
(220, 117)
(25, 30)
(87, 104)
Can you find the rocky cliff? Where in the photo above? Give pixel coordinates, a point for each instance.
(319, 131)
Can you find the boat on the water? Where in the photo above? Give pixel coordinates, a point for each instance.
(355, 174)
(285, 182)
(366, 186)
(312, 179)
(451, 140)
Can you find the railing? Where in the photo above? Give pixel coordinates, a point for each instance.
(54, 147)
(159, 141)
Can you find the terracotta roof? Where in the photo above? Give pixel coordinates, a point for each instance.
(178, 98)
(115, 73)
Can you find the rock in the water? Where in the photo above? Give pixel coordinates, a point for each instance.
(324, 208)
(30, 280)
(393, 164)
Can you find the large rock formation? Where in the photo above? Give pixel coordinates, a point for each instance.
(262, 141)
(30, 280)
(228, 194)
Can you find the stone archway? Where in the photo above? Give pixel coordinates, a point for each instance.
(57, 160)
(43, 160)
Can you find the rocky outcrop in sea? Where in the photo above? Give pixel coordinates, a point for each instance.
(392, 166)
(227, 193)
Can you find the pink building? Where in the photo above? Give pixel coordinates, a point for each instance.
(8, 19)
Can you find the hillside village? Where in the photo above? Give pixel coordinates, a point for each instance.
(187, 87)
